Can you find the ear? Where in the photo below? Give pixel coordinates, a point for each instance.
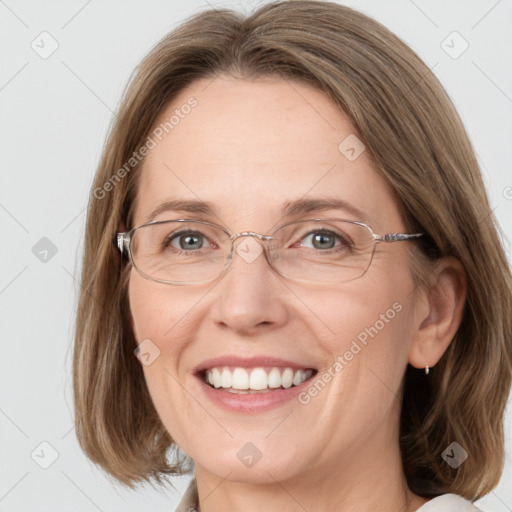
(438, 313)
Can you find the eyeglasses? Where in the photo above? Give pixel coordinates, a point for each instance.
(186, 252)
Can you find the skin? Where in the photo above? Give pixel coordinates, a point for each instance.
(247, 147)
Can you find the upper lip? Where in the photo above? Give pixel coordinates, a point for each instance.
(249, 362)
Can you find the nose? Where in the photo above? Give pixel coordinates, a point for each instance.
(250, 295)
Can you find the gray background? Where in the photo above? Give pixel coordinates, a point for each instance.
(54, 116)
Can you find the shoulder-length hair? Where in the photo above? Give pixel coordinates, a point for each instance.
(417, 142)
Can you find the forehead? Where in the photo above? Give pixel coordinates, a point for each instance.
(249, 146)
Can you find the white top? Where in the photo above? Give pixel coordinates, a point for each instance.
(445, 503)
(448, 503)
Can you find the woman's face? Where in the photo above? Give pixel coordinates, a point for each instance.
(248, 148)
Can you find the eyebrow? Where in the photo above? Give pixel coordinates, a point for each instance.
(290, 208)
(303, 206)
(179, 205)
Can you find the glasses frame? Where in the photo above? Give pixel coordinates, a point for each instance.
(124, 245)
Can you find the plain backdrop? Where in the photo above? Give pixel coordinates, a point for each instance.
(55, 112)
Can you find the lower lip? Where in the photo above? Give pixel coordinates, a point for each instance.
(251, 403)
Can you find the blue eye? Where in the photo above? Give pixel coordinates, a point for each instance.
(323, 240)
(188, 241)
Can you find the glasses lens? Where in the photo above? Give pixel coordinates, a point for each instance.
(325, 252)
(180, 252)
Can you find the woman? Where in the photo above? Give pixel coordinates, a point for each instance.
(290, 262)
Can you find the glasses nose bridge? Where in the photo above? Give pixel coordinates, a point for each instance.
(258, 236)
(236, 236)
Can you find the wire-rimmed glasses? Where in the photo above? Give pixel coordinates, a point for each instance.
(320, 250)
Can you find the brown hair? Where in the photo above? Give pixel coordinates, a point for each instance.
(416, 140)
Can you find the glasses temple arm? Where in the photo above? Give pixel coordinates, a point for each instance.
(123, 242)
(399, 237)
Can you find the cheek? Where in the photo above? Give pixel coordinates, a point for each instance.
(362, 317)
(368, 336)
(158, 311)
(162, 326)
(366, 348)
(146, 308)
(161, 322)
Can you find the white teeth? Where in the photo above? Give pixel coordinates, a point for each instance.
(287, 378)
(297, 378)
(274, 378)
(217, 380)
(259, 379)
(240, 379)
(256, 379)
(225, 380)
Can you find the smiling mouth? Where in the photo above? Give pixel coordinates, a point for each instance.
(256, 380)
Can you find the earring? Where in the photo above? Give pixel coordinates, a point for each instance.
(427, 370)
